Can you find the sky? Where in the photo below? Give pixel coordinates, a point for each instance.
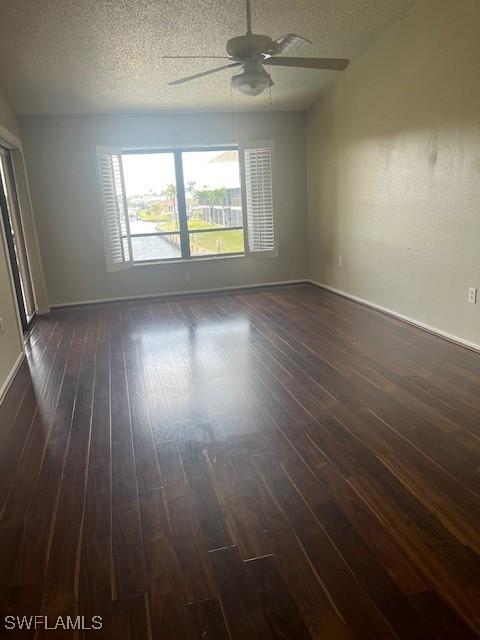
(153, 171)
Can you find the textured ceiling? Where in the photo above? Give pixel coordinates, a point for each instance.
(84, 56)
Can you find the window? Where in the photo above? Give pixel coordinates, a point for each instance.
(214, 202)
(151, 194)
(186, 204)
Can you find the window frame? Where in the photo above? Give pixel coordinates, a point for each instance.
(183, 230)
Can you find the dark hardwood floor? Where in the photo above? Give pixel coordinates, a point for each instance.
(277, 463)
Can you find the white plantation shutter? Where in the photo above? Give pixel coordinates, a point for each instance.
(257, 187)
(118, 249)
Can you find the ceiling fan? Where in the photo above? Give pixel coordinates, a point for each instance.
(252, 51)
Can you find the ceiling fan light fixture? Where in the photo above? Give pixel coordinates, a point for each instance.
(253, 81)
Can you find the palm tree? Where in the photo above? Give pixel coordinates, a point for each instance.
(202, 197)
(217, 198)
(211, 198)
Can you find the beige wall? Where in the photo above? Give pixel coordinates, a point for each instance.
(60, 155)
(10, 341)
(394, 171)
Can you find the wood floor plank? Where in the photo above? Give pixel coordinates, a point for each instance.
(8, 552)
(442, 620)
(313, 600)
(239, 505)
(275, 600)
(207, 620)
(188, 539)
(130, 619)
(205, 501)
(245, 616)
(148, 472)
(94, 562)
(160, 558)
(167, 613)
(127, 543)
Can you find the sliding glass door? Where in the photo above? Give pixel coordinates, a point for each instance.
(15, 239)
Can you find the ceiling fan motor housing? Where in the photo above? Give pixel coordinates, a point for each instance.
(243, 46)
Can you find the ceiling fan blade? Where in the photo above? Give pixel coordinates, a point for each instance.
(205, 73)
(290, 42)
(196, 57)
(333, 64)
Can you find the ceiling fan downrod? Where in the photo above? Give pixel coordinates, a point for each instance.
(249, 18)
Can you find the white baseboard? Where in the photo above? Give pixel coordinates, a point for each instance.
(400, 316)
(178, 293)
(6, 385)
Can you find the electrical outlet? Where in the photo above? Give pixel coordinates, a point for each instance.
(340, 261)
(2, 326)
(187, 277)
(472, 295)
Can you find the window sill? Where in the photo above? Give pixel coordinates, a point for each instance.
(155, 263)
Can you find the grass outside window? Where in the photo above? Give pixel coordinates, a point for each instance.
(209, 243)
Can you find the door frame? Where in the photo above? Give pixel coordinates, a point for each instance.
(13, 144)
(12, 259)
